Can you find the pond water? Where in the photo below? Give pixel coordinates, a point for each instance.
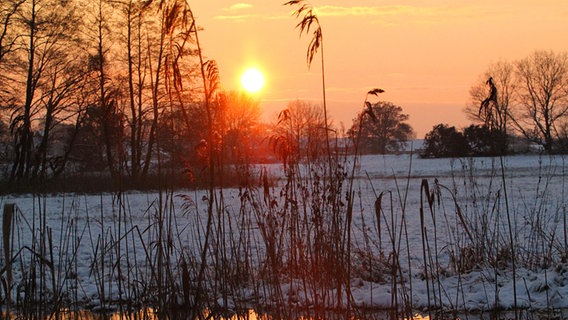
(149, 314)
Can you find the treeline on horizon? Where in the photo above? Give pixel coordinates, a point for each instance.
(120, 91)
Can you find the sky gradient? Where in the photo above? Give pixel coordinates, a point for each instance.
(425, 54)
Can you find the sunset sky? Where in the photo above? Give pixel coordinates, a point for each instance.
(424, 54)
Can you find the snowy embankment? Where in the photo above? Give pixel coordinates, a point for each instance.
(454, 254)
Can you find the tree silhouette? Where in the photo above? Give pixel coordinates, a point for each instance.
(542, 95)
(8, 9)
(490, 102)
(445, 141)
(40, 77)
(387, 130)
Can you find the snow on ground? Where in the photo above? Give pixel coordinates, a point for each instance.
(535, 187)
(536, 190)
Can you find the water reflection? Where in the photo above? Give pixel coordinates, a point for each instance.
(144, 314)
(150, 314)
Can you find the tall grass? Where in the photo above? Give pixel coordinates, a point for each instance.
(296, 245)
(300, 243)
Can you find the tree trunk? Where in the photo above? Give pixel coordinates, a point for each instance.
(134, 145)
(106, 108)
(24, 138)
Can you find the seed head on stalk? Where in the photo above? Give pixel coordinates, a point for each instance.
(306, 12)
(305, 25)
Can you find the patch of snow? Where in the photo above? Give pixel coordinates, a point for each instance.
(535, 185)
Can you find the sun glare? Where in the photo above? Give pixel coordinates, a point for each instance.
(252, 80)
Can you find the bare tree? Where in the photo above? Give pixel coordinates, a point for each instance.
(491, 99)
(153, 72)
(8, 10)
(166, 55)
(241, 115)
(65, 79)
(542, 96)
(136, 61)
(47, 29)
(8, 37)
(106, 95)
(298, 133)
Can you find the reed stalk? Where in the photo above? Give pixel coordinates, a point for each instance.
(8, 246)
(511, 238)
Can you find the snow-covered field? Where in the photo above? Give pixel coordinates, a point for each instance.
(83, 236)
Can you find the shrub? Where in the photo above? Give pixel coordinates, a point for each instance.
(445, 141)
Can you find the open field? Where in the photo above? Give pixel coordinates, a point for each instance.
(462, 235)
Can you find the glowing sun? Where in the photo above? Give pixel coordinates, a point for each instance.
(252, 80)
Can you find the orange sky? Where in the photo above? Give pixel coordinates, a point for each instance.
(424, 54)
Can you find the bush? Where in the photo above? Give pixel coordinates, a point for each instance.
(485, 142)
(445, 141)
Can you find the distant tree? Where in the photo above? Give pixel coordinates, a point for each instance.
(562, 143)
(42, 74)
(236, 121)
(106, 95)
(484, 141)
(385, 129)
(89, 151)
(542, 96)
(445, 141)
(240, 119)
(491, 99)
(133, 14)
(299, 132)
(491, 96)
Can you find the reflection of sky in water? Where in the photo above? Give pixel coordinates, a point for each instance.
(149, 314)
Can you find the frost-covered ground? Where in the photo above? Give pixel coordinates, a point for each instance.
(535, 189)
(530, 193)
